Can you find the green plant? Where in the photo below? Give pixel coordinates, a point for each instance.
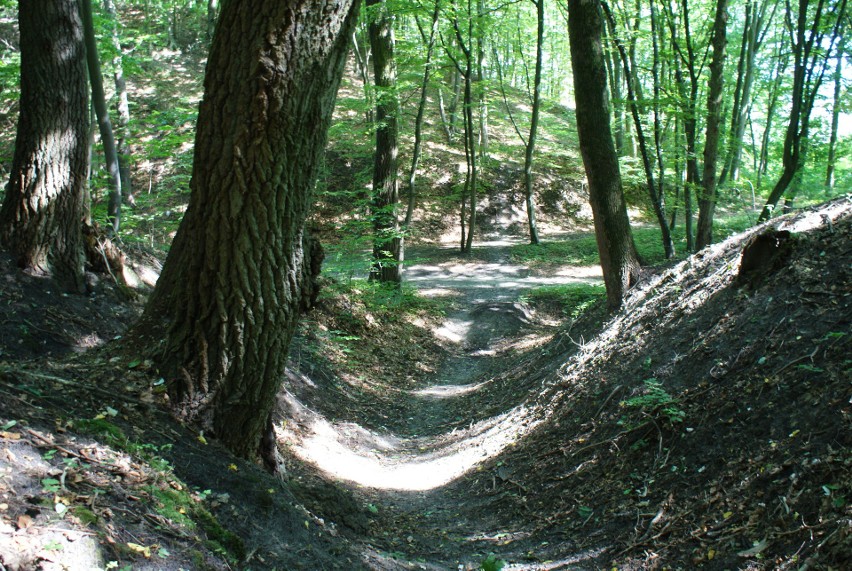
(492, 563)
(657, 402)
(575, 299)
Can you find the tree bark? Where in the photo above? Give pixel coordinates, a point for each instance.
(633, 96)
(44, 205)
(123, 108)
(387, 240)
(707, 204)
(418, 121)
(835, 117)
(808, 71)
(104, 125)
(536, 105)
(619, 260)
(222, 315)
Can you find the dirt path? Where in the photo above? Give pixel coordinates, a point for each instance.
(454, 422)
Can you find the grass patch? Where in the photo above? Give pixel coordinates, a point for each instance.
(573, 299)
(575, 251)
(384, 300)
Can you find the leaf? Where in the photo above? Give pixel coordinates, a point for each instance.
(141, 549)
(111, 411)
(373, 509)
(9, 435)
(758, 548)
(134, 363)
(9, 425)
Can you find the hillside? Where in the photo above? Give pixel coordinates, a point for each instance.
(734, 456)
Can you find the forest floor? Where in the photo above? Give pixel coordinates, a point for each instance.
(706, 425)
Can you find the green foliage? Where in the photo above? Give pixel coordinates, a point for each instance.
(657, 402)
(575, 298)
(578, 251)
(388, 300)
(492, 563)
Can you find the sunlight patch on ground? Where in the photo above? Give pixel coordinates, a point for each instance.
(447, 391)
(454, 330)
(383, 461)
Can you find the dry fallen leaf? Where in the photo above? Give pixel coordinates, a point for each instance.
(24, 521)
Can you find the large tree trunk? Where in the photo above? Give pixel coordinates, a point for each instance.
(387, 241)
(619, 260)
(225, 308)
(707, 204)
(43, 209)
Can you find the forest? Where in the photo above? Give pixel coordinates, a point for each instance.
(425, 284)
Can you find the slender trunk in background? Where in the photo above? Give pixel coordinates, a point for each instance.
(774, 95)
(835, 117)
(123, 108)
(43, 207)
(481, 92)
(619, 260)
(388, 244)
(536, 104)
(212, 12)
(810, 63)
(633, 97)
(363, 62)
(421, 108)
(220, 320)
(104, 125)
(707, 204)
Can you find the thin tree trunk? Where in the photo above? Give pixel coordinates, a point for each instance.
(104, 124)
(418, 121)
(225, 308)
(619, 260)
(387, 240)
(707, 204)
(536, 105)
(212, 13)
(835, 117)
(633, 97)
(809, 69)
(123, 108)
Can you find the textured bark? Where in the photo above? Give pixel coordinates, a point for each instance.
(43, 209)
(619, 260)
(228, 298)
(387, 240)
(707, 204)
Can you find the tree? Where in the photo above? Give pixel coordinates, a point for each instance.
(43, 209)
(224, 310)
(707, 203)
(808, 33)
(835, 116)
(421, 108)
(536, 106)
(122, 106)
(387, 240)
(619, 260)
(104, 124)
